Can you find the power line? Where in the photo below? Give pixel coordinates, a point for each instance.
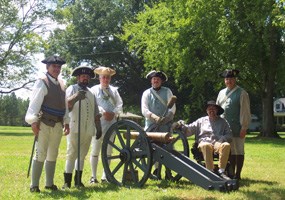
(101, 53)
(88, 38)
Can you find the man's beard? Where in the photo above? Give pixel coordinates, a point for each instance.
(83, 85)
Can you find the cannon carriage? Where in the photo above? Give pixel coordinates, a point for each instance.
(134, 152)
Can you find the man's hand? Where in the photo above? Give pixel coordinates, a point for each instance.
(66, 129)
(98, 129)
(155, 118)
(79, 95)
(178, 125)
(167, 118)
(108, 116)
(242, 133)
(36, 128)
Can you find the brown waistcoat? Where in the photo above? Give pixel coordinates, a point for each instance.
(53, 107)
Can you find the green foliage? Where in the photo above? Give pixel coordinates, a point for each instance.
(20, 39)
(13, 110)
(195, 40)
(90, 36)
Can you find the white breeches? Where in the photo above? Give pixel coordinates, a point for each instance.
(72, 145)
(97, 144)
(48, 142)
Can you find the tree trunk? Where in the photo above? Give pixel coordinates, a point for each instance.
(268, 124)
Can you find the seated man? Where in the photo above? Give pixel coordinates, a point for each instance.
(213, 134)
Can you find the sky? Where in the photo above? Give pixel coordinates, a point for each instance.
(40, 70)
(40, 67)
(25, 93)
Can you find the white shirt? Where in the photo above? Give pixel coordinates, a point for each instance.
(209, 131)
(145, 103)
(106, 105)
(87, 112)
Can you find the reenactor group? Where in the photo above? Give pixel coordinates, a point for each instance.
(85, 114)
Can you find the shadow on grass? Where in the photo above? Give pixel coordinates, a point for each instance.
(88, 192)
(246, 182)
(259, 140)
(269, 190)
(17, 134)
(81, 193)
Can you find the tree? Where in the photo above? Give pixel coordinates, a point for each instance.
(20, 25)
(194, 40)
(13, 110)
(90, 36)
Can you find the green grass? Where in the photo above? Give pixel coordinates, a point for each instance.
(263, 174)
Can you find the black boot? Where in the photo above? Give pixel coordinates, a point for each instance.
(240, 161)
(78, 184)
(67, 180)
(232, 167)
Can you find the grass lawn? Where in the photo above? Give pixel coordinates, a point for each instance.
(263, 175)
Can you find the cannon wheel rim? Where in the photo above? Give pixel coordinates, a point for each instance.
(181, 137)
(132, 156)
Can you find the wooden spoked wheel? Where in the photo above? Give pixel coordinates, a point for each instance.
(130, 162)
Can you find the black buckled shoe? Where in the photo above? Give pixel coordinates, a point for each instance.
(79, 185)
(52, 187)
(237, 177)
(104, 181)
(35, 189)
(93, 180)
(66, 186)
(224, 176)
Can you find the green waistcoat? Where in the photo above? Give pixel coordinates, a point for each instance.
(232, 111)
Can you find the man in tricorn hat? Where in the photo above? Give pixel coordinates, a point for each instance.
(47, 113)
(154, 103)
(89, 123)
(110, 106)
(235, 101)
(213, 134)
(154, 108)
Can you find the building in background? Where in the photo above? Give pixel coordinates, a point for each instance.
(279, 113)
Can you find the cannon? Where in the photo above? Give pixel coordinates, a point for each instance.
(134, 151)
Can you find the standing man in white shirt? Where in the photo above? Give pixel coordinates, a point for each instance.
(89, 124)
(110, 106)
(154, 103)
(48, 116)
(158, 117)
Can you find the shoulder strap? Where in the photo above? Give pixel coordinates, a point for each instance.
(112, 98)
(228, 95)
(158, 97)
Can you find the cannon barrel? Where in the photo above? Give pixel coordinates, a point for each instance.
(163, 137)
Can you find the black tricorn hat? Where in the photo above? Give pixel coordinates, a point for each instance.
(54, 60)
(159, 74)
(83, 70)
(229, 73)
(213, 103)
